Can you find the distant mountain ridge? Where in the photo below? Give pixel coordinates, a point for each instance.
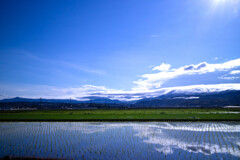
(43, 100)
(205, 99)
(170, 99)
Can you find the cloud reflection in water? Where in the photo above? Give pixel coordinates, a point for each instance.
(124, 140)
(169, 136)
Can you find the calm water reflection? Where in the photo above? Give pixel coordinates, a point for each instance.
(151, 140)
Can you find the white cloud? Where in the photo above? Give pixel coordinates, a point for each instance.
(85, 92)
(228, 78)
(235, 72)
(162, 67)
(155, 80)
(150, 85)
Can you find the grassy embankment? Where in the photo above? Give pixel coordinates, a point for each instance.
(121, 115)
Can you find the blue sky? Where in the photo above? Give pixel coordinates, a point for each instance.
(48, 46)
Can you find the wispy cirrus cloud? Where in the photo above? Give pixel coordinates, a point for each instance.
(81, 68)
(229, 77)
(64, 63)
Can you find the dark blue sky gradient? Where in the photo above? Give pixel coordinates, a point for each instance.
(111, 43)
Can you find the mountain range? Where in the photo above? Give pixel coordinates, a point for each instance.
(170, 99)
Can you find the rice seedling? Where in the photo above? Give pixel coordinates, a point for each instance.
(120, 140)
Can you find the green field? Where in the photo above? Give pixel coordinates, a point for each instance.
(121, 115)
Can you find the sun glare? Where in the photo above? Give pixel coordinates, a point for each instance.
(230, 4)
(220, 2)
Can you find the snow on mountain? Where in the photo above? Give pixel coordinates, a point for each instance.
(197, 89)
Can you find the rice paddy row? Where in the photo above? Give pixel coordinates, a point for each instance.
(107, 140)
(220, 114)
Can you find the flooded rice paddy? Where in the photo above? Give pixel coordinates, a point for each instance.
(130, 140)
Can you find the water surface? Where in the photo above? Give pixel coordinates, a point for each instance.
(106, 140)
